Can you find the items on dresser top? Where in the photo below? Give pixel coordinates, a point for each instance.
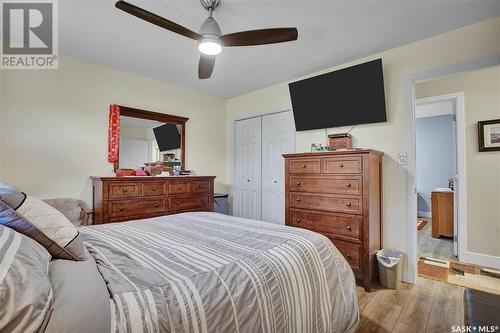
(339, 141)
(119, 199)
(338, 195)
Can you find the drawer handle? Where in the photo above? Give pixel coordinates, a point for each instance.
(348, 185)
(154, 188)
(179, 188)
(348, 204)
(298, 183)
(275, 181)
(348, 256)
(304, 166)
(177, 202)
(156, 205)
(349, 228)
(124, 190)
(299, 199)
(121, 208)
(341, 165)
(298, 220)
(200, 186)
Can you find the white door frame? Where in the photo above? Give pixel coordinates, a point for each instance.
(460, 213)
(253, 115)
(410, 80)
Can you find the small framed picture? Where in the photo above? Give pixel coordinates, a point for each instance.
(489, 135)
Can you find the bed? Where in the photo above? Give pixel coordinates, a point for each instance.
(202, 272)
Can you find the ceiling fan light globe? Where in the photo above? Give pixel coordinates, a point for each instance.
(210, 47)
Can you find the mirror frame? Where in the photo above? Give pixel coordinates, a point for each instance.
(161, 117)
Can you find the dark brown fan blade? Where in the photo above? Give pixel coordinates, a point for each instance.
(206, 66)
(260, 37)
(156, 20)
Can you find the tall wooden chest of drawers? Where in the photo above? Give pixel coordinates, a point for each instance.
(338, 195)
(118, 199)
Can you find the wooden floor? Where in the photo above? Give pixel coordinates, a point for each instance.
(428, 306)
(439, 248)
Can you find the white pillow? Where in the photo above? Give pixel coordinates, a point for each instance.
(45, 224)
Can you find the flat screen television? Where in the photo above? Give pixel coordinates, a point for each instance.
(349, 96)
(167, 137)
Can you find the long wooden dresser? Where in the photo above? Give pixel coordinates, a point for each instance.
(337, 194)
(118, 199)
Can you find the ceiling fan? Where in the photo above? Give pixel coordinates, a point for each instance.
(210, 38)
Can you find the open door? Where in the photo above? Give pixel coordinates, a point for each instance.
(455, 181)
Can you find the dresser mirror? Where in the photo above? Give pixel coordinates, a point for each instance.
(151, 140)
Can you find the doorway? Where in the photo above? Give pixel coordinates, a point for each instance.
(259, 180)
(475, 198)
(437, 173)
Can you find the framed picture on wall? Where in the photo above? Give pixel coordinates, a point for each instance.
(489, 135)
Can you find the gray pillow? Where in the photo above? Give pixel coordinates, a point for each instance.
(78, 285)
(43, 223)
(25, 289)
(4, 188)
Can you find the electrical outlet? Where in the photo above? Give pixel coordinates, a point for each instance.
(402, 159)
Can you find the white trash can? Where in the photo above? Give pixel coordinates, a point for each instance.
(390, 268)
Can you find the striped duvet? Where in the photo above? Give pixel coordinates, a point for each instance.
(207, 272)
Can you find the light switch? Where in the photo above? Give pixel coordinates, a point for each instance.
(402, 159)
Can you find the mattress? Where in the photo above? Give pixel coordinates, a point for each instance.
(208, 272)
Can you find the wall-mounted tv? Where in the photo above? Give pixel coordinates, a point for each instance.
(349, 96)
(167, 137)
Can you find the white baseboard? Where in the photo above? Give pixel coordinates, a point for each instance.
(481, 259)
(425, 214)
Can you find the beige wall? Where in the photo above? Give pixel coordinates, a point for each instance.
(55, 122)
(471, 42)
(482, 102)
(55, 125)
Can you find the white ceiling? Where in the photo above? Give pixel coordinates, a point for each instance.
(330, 33)
(136, 122)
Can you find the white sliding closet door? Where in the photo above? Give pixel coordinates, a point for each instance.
(247, 194)
(278, 138)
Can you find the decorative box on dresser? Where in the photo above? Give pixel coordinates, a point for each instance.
(118, 199)
(338, 195)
